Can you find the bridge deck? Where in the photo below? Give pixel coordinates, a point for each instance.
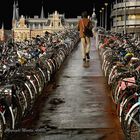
(86, 111)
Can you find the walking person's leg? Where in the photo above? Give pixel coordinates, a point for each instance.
(88, 44)
(83, 48)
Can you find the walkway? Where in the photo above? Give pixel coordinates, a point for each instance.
(79, 107)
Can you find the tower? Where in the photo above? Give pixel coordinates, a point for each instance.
(42, 12)
(93, 14)
(2, 35)
(94, 20)
(17, 11)
(15, 14)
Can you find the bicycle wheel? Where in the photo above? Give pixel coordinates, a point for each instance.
(131, 100)
(17, 111)
(133, 129)
(2, 128)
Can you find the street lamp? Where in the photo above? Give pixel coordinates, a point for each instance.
(103, 17)
(100, 18)
(125, 17)
(106, 4)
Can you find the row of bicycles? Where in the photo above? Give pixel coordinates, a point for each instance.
(120, 59)
(25, 68)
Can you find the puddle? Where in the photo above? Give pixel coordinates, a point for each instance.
(56, 101)
(66, 76)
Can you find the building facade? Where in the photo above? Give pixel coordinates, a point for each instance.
(26, 28)
(129, 10)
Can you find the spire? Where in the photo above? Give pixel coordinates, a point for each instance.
(93, 14)
(2, 26)
(14, 11)
(93, 7)
(17, 11)
(2, 32)
(42, 11)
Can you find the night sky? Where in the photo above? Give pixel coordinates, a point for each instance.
(33, 7)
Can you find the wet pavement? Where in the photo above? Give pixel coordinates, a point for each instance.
(77, 106)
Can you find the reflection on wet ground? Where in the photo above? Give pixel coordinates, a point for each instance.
(76, 106)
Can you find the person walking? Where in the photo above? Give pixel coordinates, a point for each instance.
(85, 40)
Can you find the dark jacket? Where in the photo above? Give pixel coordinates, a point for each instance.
(81, 24)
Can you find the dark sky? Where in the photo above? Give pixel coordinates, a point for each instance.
(33, 7)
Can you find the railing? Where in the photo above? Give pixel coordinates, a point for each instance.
(130, 10)
(128, 23)
(134, 3)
